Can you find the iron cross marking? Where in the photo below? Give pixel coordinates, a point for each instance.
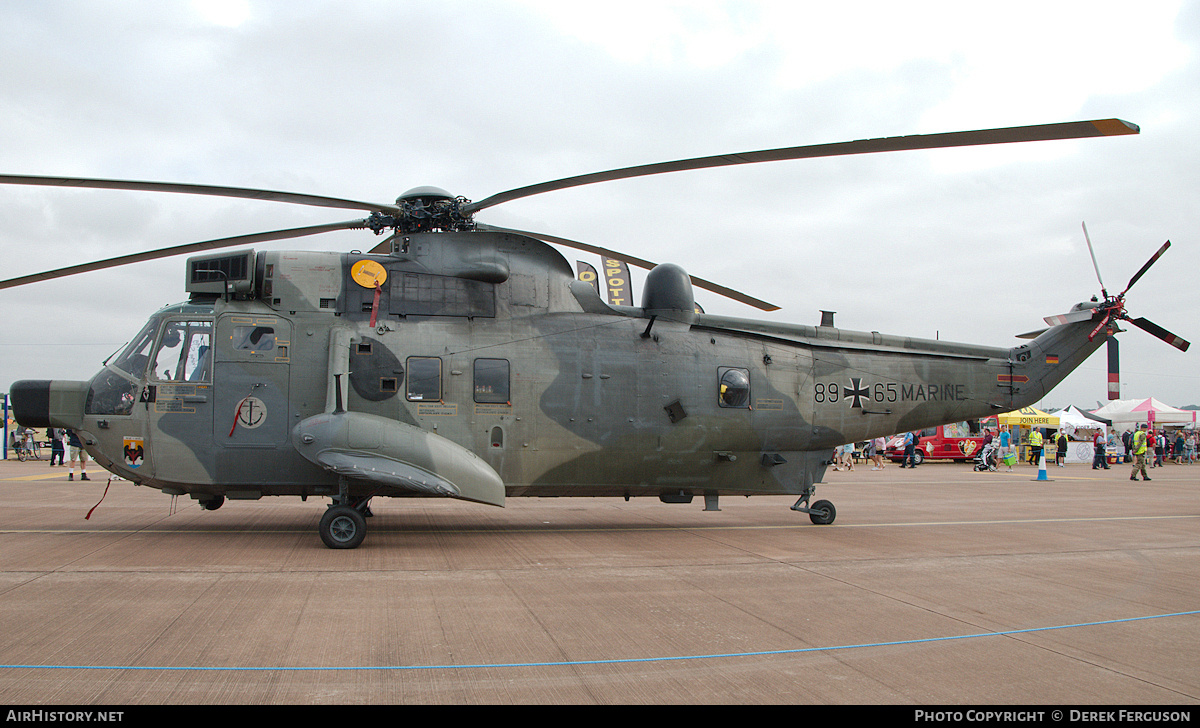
(857, 391)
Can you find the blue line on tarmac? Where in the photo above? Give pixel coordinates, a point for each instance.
(576, 663)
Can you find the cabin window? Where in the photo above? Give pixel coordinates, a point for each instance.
(424, 379)
(184, 352)
(733, 387)
(491, 381)
(254, 338)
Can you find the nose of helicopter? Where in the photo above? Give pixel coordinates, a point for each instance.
(48, 403)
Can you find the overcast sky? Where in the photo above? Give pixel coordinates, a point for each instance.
(367, 99)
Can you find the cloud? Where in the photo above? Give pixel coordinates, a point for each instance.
(366, 100)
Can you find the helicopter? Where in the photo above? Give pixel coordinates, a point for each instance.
(457, 359)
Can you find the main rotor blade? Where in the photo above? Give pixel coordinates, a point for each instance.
(1041, 132)
(1155, 330)
(698, 282)
(1095, 265)
(1146, 267)
(181, 249)
(190, 189)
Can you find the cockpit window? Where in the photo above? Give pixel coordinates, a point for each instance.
(110, 394)
(733, 387)
(183, 353)
(135, 356)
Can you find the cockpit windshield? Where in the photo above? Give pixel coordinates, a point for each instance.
(182, 355)
(135, 356)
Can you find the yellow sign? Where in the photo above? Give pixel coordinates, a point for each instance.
(368, 273)
(616, 275)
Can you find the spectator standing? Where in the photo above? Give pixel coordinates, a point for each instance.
(1099, 459)
(910, 450)
(1035, 446)
(1139, 444)
(76, 451)
(56, 445)
(1006, 447)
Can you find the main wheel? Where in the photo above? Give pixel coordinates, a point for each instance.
(343, 527)
(822, 512)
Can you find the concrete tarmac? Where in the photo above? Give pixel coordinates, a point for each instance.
(934, 586)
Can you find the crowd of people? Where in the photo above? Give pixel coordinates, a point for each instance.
(1181, 447)
(63, 443)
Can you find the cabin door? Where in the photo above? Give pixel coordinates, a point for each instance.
(252, 381)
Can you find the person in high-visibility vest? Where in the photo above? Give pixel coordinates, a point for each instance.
(1035, 446)
(1138, 445)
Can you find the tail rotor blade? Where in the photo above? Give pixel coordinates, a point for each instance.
(1146, 267)
(1155, 330)
(1095, 265)
(1114, 367)
(1070, 318)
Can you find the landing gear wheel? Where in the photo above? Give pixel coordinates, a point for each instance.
(213, 503)
(343, 527)
(822, 513)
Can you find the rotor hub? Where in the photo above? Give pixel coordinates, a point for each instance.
(424, 209)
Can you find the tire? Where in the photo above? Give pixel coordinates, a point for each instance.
(213, 503)
(343, 527)
(918, 457)
(822, 513)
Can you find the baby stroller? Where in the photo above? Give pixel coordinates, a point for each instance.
(986, 459)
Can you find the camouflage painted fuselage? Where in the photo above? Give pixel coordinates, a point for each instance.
(480, 368)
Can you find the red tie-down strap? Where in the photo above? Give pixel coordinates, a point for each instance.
(88, 517)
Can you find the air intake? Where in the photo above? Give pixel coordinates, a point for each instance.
(229, 274)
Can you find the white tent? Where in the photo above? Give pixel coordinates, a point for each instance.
(1076, 419)
(1125, 412)
(1072, 419)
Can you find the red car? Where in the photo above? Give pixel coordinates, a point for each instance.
(955, 441)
